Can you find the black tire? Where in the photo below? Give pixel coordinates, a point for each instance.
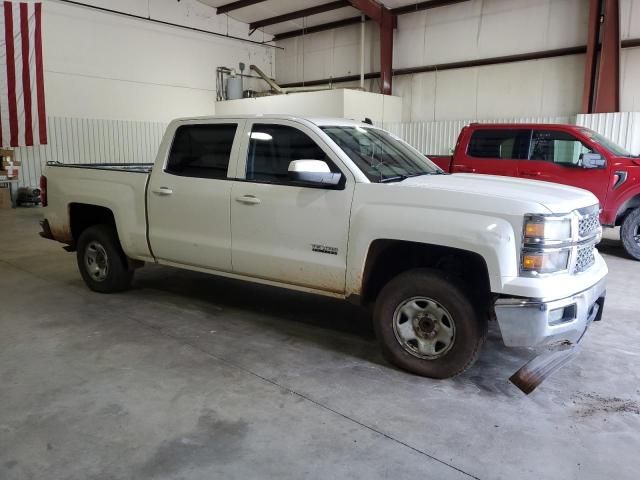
(630, 234)
(117, 275)
(470, 329)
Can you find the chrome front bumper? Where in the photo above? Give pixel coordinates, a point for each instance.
(530, 322)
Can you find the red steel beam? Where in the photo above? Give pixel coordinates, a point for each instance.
(607, 92)
(317, 28)
(236, 5)
(327, 7)
(371, 8)
(591, 61)
(416, 7)
(387, 24)
(387, 21)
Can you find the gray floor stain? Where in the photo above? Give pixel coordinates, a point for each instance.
(113, 410)
(213, 440)
(590, 404)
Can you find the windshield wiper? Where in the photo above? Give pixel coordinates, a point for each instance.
(397, 178)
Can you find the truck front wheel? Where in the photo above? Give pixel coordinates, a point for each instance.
(101, 261)
(630, 234)
(427, 325)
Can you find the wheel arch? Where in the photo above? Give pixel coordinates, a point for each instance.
(84, 215)
(626, 208)
(387, 258)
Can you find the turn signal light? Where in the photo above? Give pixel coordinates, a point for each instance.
(533, 261)
(545, 261)
(534, 230)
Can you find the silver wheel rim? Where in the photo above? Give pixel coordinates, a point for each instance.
(636, 234)
(96, 261)
(424, 328)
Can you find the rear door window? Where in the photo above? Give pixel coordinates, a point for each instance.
(557, 147)
(202, 150)
(499, 143)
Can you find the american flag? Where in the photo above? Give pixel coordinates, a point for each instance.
(22, 110)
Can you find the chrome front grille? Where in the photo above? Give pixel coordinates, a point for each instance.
(585, 258)
(589, 225)
(589, 231)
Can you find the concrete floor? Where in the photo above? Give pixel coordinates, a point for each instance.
(189, 376)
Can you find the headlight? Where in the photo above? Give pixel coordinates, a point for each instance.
(545, 261)
(546, 244)
(542, 229)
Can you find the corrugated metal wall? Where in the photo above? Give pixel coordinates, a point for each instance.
(439, 138)
(623, 128)
(82, 140)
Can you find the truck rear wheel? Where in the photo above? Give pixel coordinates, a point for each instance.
(630, 234)
(101, 261)
(427, 325)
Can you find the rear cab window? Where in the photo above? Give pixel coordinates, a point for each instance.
(500, 143)
(202, 151)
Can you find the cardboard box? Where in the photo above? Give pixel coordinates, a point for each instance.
(10, 173)
(5, 198)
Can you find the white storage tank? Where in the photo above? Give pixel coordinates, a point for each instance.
(234, 87)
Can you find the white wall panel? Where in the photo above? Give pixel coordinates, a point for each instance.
(83, 140)
(102, 65)
(630, 78)
(623, 128)
(473, 30)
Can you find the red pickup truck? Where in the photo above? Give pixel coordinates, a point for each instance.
(566, 154)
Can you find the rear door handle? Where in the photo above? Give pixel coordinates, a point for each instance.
(162, 191)
(532, 174)
(249, 200)
(465, 169)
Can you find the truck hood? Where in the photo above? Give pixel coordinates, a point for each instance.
(554, 197)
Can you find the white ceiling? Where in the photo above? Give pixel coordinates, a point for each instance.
(272, 8)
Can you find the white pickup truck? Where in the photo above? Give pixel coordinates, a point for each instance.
(344, 209)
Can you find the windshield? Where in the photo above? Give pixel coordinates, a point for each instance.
(606, 143)
(381, 156)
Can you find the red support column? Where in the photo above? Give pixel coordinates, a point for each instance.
(387, 21)
(591, 61)
(607, 94)
(386, 51)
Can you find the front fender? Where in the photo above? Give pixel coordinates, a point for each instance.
(490, 237)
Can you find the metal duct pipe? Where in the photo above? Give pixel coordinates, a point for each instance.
(274, 86)
(363, 19)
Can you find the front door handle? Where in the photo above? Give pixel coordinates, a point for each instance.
(249, 200)
(162, 191)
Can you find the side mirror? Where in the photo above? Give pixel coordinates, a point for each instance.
(313, 172)
(592, 160)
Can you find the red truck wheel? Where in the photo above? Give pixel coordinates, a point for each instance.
(630, 234)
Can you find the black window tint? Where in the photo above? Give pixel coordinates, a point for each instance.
(273, 147)
(557, 147)
(499, 143)
(201, 150)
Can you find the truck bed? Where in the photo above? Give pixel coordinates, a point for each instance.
(119, 188)
(122, 167)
